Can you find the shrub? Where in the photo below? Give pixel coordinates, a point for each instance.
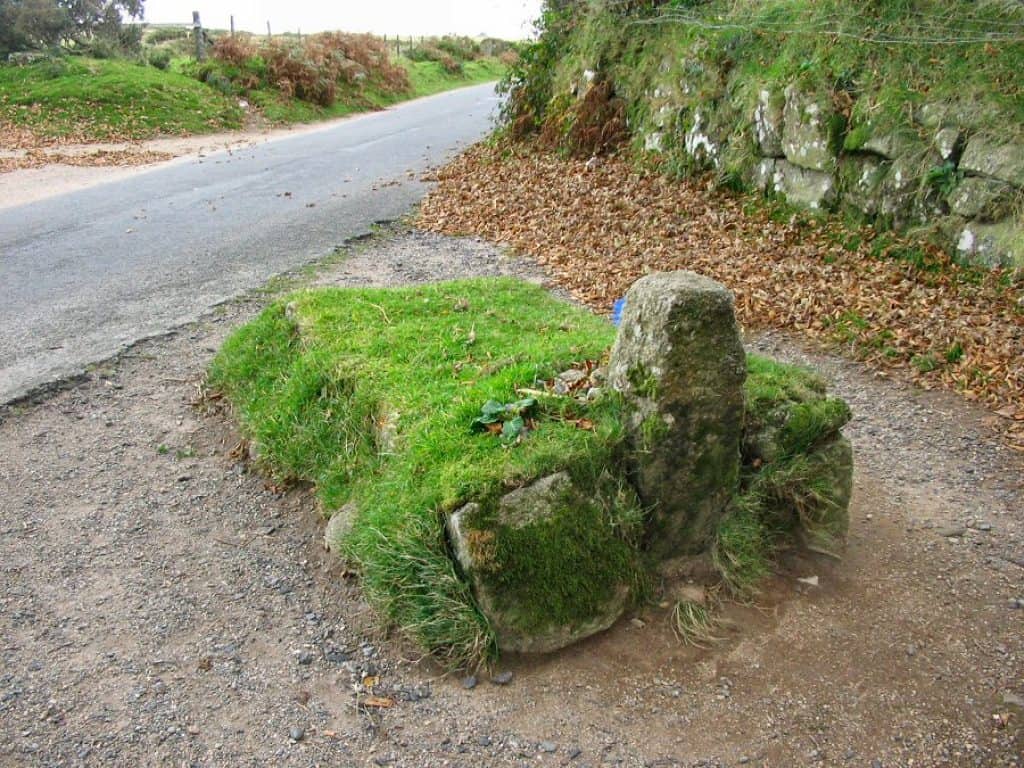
(234, 50)
(429, 52)
(459, 48)
(159, 58)
(310, 70)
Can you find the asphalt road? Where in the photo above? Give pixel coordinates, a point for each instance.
(85, 274)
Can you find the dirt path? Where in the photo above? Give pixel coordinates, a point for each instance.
(163, 606)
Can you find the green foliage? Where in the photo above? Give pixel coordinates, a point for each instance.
(159, 58)
(94, 24)
(530, 82)
(943, 178)
(509, 418)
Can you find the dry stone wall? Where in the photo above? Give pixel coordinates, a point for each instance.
(933, 169)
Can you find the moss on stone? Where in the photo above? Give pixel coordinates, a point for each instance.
(787, 411)
(563, 568)
(797, 473)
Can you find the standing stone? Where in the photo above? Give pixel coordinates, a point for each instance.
(679, 363)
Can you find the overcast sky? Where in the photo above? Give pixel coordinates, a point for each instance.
(509, 19)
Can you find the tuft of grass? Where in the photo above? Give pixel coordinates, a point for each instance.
(694, 624)
(743, 549)
(110, 99)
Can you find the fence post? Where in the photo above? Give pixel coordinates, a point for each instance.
(268, 30)
(232, 25)
(197, 28)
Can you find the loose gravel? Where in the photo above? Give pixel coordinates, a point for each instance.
(163, 604)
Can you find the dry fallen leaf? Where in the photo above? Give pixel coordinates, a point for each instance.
(378, 702)
(596, 231)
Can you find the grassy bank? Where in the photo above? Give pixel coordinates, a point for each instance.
(430, 77)
(101, 100)
(281, 82)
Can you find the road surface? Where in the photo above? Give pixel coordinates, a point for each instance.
(85, 274)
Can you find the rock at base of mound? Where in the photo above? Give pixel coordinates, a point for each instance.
(680, 365)
(550, 563)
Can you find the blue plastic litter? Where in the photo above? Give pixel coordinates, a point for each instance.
(620, 305)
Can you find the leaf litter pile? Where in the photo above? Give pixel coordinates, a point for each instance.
(598, 225)
(21, 148)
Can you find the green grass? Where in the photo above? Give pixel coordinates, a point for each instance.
(429, 77)
(111, 99)
(313, 400)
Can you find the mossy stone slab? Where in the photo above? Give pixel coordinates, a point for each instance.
(811, 131)
(551, 563)
(987, 200)
(1000, 160)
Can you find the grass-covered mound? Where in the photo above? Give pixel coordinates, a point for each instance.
(371, 395)
(387, 400)
(110, 99)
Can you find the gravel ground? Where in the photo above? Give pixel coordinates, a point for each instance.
(162, 605)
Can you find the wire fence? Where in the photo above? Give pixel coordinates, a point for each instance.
(990, 23)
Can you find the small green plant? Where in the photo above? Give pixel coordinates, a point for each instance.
(943, 178)
(508, 420)
(955, 353)
(925, 363)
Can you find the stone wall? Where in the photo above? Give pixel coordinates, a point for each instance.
(933, 168)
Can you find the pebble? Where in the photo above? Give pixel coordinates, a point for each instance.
(574, 752)
(502, 678)
(952, 531)
(306, 658)
(296, 734)
(469, 683)
(1017, 603)
(483, 741)
(547, 746)
(911, 650)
